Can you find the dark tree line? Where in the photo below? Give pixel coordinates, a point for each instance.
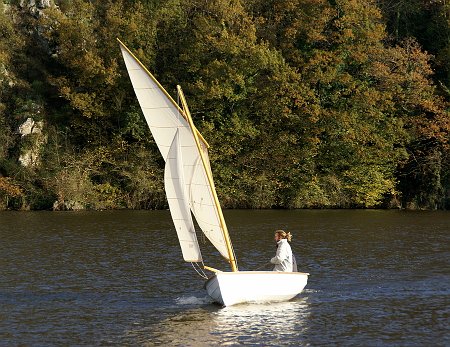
(306, 103)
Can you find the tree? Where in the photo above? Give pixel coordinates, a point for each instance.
(242, 92)
(429, 23)
(306, 103)
(366, 95)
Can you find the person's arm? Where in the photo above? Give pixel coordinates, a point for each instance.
(280, 255)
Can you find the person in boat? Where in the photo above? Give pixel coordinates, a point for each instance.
(284, 260)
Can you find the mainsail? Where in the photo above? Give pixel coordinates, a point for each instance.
(165, 118)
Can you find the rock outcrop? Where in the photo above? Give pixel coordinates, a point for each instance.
(35, 140)
(36, 6)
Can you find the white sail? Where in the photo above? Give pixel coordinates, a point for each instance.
(179, 202)
(164, 117)
(161, 114)
(202, 205)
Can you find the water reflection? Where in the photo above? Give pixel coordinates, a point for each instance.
(209, 324)
(272, 323)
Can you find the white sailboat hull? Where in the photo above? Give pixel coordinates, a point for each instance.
(231, 288)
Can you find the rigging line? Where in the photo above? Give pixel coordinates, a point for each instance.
(201, 275)
(201, 269)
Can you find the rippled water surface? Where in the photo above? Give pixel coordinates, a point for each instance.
(378, 278)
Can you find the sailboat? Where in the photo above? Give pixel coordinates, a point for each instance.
(190, 191)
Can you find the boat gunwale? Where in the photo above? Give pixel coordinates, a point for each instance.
(261, 272)
(253, 273)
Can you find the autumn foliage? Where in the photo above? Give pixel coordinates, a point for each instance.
(306, 103)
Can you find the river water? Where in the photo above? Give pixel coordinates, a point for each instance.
(378, 278)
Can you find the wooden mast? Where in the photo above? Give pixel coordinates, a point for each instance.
(210, 181)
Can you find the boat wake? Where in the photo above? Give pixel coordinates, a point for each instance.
(193, 300)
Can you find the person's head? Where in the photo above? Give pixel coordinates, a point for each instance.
(281, 234)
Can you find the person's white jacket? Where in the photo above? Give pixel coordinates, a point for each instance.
(283, 258)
